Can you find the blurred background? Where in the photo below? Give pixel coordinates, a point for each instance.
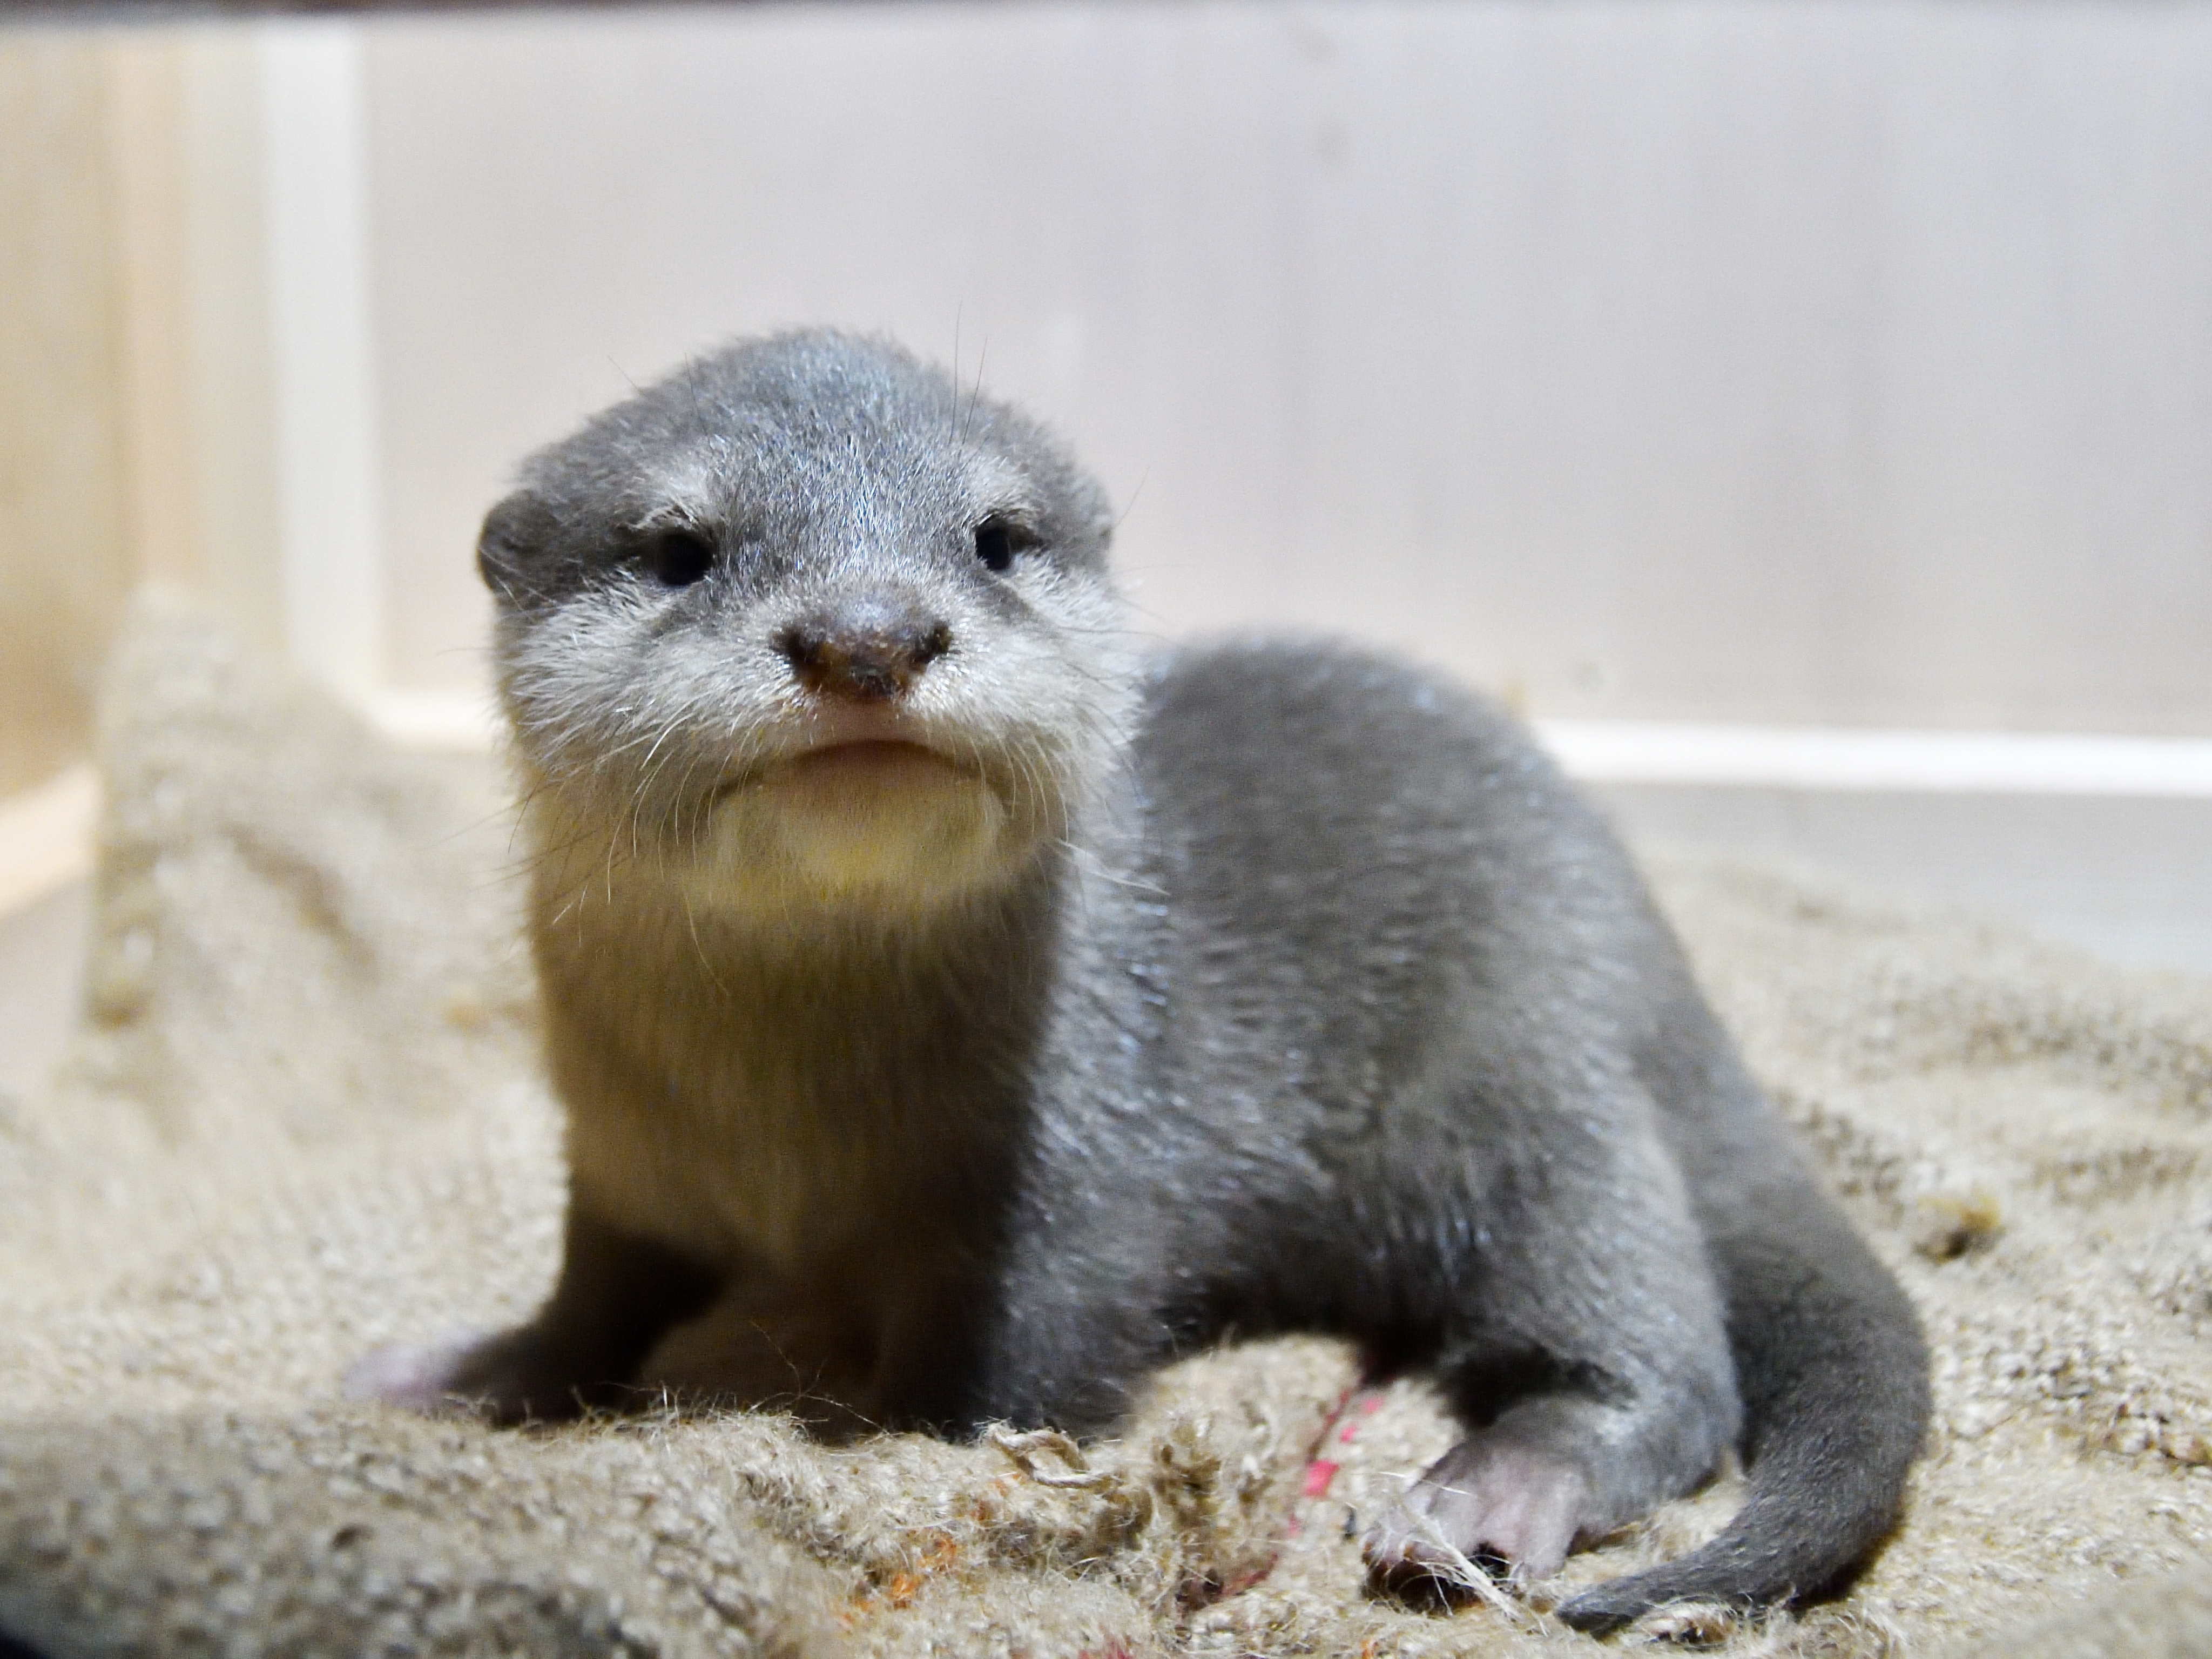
(1802, 408)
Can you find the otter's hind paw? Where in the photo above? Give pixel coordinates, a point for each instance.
(1487, 1503)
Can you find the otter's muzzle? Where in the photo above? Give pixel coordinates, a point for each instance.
(869, 653)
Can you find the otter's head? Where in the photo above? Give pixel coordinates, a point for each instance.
(807, 622)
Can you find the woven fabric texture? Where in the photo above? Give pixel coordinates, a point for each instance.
(301, 1119)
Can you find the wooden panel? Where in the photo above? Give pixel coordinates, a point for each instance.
(65, 551)
(1821, 361)
(230, 406)
(152, 174)
(136, 435)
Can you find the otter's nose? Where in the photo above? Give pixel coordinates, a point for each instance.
(869, 654)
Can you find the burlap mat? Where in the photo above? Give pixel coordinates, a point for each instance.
(300, 1120)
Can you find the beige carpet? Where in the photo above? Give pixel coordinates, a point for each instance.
(300, 1120)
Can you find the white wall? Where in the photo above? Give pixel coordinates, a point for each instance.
(1740, 359)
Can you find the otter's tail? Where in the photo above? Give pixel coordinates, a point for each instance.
(1833, 1375)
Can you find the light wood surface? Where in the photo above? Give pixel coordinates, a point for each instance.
(46, 837)
(1827, 361)
(136, 433)
(65, 532)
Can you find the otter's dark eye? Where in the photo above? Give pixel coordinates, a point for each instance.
(998, 539)
(678, 558)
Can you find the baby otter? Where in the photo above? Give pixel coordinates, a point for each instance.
(959, 1011)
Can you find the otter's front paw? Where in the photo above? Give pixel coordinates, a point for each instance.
(1487, 1503)
(503, 1377)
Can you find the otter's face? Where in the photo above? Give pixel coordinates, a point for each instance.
(806, 623)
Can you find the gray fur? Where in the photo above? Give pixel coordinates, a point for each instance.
(1145, 998)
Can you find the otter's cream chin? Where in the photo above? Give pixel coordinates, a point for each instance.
(867, 816)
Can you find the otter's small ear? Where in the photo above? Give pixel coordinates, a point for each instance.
(511, 541)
